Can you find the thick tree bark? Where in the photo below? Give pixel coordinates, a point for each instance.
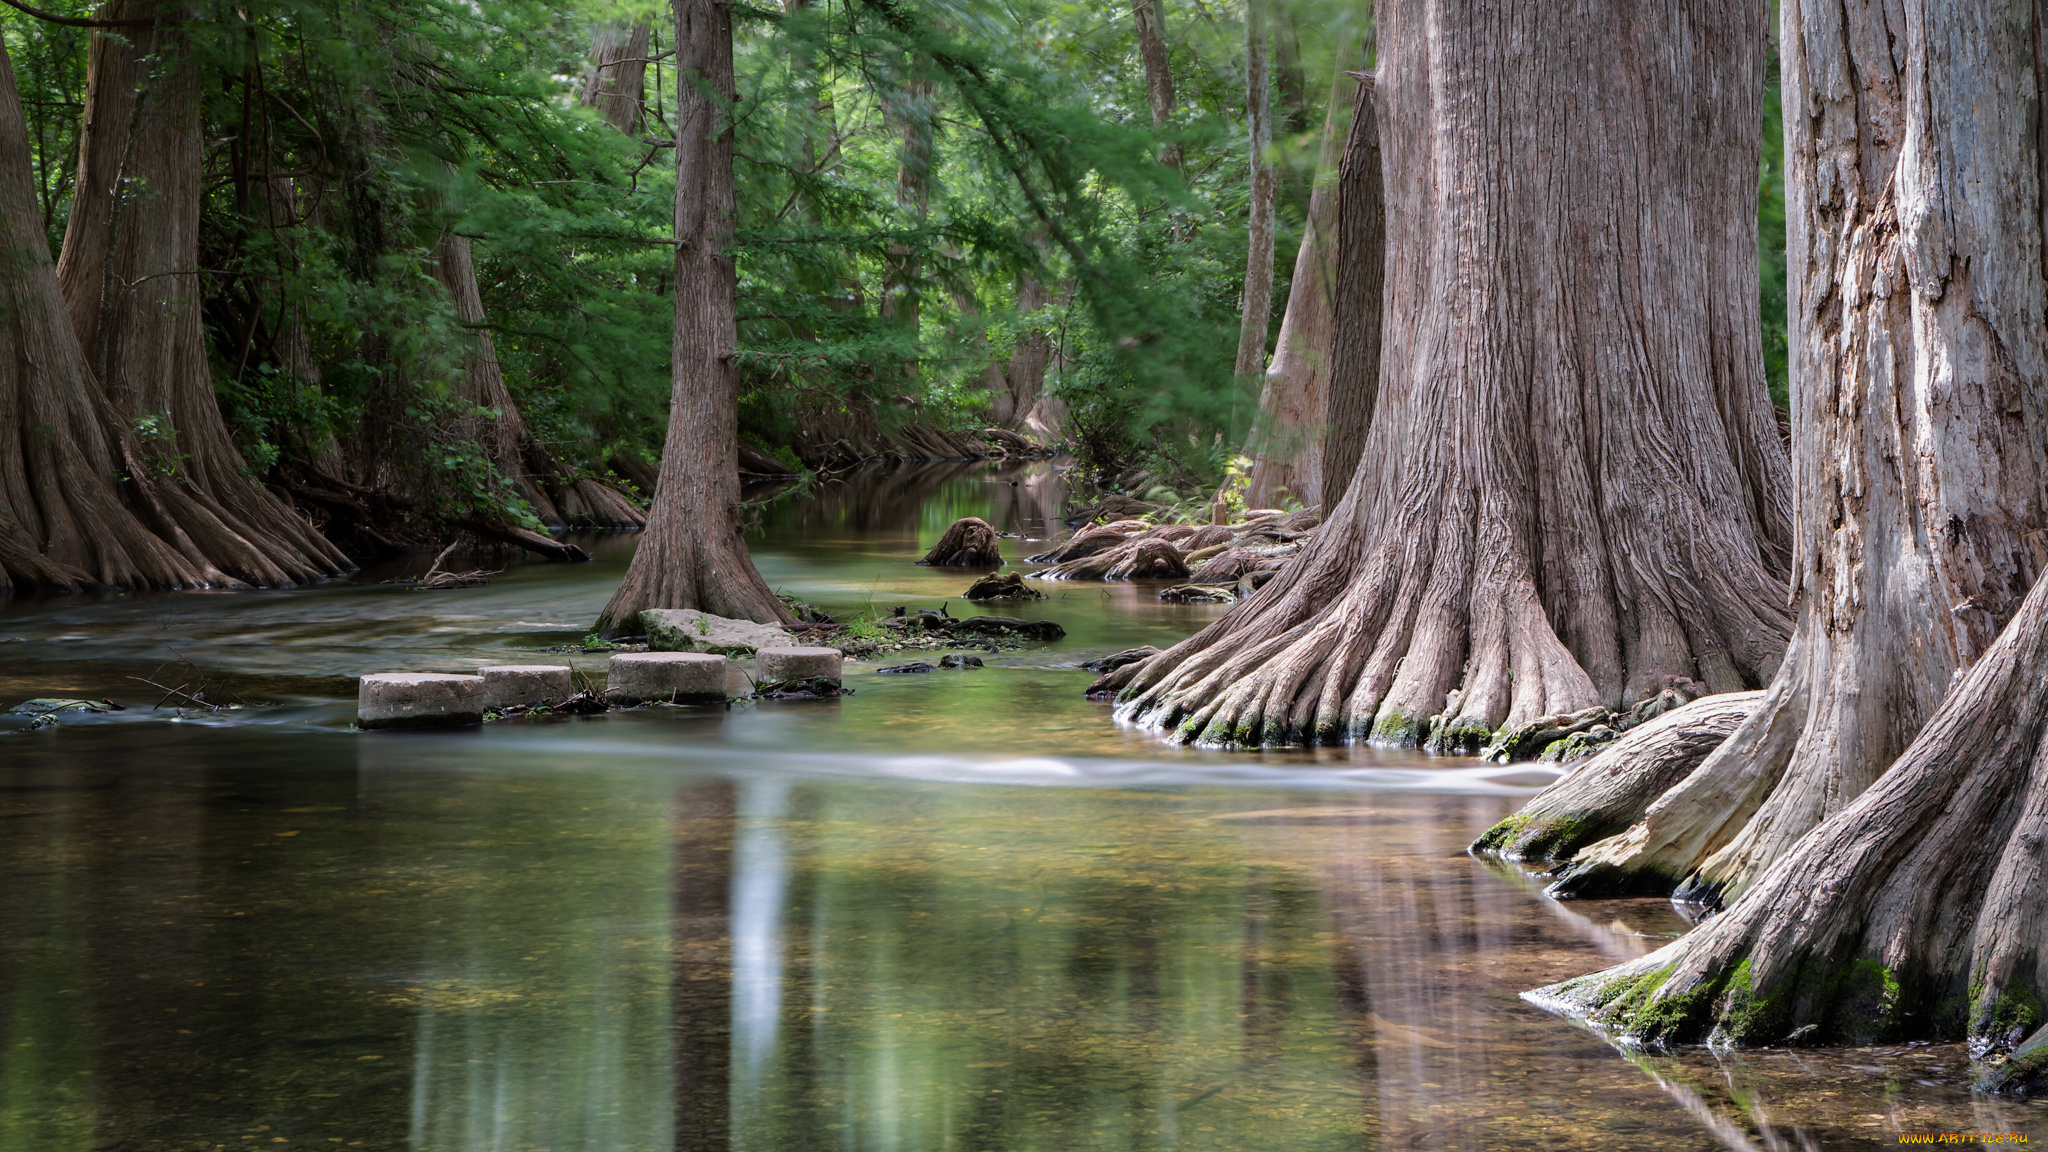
(1287, 444)
(1915, 911)
(1572, 491)
(1022, 379)
(64, 522)
(902, 275)
(1359, 303)
(1919, 380)
(617, 86)
(694, 553)
(1150, 17)
(1258, 264)
(559, 498)
(129, 272)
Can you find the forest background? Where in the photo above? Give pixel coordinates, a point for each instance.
(932, 199)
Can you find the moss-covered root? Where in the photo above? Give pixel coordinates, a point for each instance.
(2025, 1072)
(1604, 795)
(1661, 1000)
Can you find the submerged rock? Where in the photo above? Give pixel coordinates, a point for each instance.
(1002, 586)
(912, 668)
(688, 630)
(1008, 626)
(1116, 660)
(958, 661)
(47, 705)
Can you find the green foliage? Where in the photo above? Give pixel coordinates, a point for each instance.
(1770, 209)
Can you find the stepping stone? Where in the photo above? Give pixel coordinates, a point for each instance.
(508, 684)
(419, 700)
(781, 665)
(675, 677)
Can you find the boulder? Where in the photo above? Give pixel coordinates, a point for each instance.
(915, 666)
(1008, 626)
(688, 630)
(958, 661)
(674, 677)
(419, 700)
(784, 664)
(506, 685)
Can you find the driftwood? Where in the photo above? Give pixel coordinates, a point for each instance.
(970, 541)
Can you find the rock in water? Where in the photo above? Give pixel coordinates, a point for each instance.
(509, 685)
(1002, 586)
(419, 700)
(970, 541)
(959, 661)
(1009, 626)
(688, 630)
(915, 666)
(675, 677)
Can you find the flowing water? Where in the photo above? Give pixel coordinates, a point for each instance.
(957, 911)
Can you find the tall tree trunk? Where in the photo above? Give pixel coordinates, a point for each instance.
(1023, 377)
(617, 86)
(129, 271)
(1359, 303)
(1287, 444)
(1920, 420)
(694, 552)
(902, 273)
(64, 522)
(1150, 17)
(1572, 491)
(558, 496)
(1258, 264)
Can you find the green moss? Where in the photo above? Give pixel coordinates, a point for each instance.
(1499, 837)
(1449, 739)
(1525, 837)
(1863, 1002)
(1994, 1018)
(1396, 730)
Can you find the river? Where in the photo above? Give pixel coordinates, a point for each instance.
(956, 912)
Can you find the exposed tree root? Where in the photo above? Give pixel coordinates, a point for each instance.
(1608, 792)
(1144, 558)
(1916, 911)
(1088, 542)
(971, 541)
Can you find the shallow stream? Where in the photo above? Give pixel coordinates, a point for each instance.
(956, 911)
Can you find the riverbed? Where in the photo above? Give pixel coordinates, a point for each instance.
(964, 910)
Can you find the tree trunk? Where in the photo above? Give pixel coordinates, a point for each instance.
(902, 272)
(129, 274)
(1916, 910)
(1359, 305)
(1258, 263)
(63, 453)
(1023, 378)
(1150, 16)
(1918, 387)
(1573, 491)
(559, 498)
(1287, 445)
(694, 553)
(617, 87)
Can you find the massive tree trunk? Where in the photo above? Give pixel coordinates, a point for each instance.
(129, 272)
(64, 522)
(558, 496)
(617, 86)
(1022, 379)
(1915, 911)
(1572, 492)
(1258, 263)
(1361, 280)
(1150, 17)
(1919, 379)
(1287, 444)
(694, 552)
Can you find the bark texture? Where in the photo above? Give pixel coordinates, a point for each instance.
(1605, 794)
(1150, 16)
(1572, 490)
(617, 87)
(968, 541)
(559, 498)
(129, 274)
(694, 553)
(1258, 261)
(1287, 444)
(1915, 911)
(1358, 308)
(1021, 383)
(1918, 387)
(64, 522)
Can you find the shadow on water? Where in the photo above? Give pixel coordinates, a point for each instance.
(955, 912)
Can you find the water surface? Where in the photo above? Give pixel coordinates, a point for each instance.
(959, 911)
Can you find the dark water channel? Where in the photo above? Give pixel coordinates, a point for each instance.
(959, 911)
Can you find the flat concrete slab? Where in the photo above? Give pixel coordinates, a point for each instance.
(783, 664)
(674, 677)
(506, 685)
(419, 700)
